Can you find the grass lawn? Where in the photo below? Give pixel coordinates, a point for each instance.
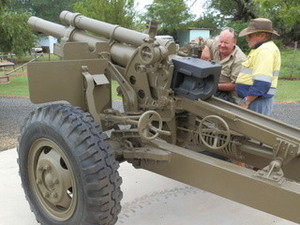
(290, 64)
(287, 90)
(18, 86)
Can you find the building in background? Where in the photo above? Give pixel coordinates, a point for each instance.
(185, 37)
(46, 42)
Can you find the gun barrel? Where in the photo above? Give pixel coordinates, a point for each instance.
(107, 30)
(120, 53)
(60, 31)
(46, 27)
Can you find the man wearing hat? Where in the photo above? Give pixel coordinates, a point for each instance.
(257, 81)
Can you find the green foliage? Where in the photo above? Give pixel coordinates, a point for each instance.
(120, 12)
(234, 9)
(285, 16)
(211, 21)
(283, 13)
(173, 16)
(3, 3)
(46, 9)
(290, 64)
(114, 86)
(15, 36)
(287, 11)
(279, 43)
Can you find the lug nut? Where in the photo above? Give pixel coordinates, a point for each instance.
(39, 181)
(56, 181)
(54, 195)
(47, 167)
(47, 194)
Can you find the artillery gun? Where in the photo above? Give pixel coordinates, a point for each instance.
(69, 151)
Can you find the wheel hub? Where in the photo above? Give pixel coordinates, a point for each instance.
(53, 180)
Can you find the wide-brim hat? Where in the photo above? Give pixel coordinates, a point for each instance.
(258, 25)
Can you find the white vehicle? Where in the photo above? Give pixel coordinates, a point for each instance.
(165, 37)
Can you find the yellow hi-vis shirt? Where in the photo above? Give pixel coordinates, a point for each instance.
(259, 74)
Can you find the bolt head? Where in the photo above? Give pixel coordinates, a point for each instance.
(47, 167)
(55, 181)
(261, 173)
(39, 181)
(54, 195)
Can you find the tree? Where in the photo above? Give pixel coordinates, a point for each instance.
(119, 12)
(46, 9)
(286, 10)
(172, 15)
(3, 3)
(211, 21)
(15, 35)
(285, 16)
(234, 9)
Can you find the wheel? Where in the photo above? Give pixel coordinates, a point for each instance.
(68, 172)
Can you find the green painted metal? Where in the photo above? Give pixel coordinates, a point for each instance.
(168, 128)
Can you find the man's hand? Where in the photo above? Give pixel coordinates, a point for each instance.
(245, 102)
(206, 54)
(245, 105)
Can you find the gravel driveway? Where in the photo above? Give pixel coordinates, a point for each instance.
(14, 110)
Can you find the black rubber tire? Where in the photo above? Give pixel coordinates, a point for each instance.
(83, 186)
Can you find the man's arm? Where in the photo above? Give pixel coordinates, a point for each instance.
(206, 54)
(207, 51)
(226, 86)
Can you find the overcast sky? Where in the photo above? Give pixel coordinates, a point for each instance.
(195, 9)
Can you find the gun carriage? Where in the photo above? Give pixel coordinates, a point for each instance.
(69, 152)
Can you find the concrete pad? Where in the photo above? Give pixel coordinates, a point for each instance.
(149, 199)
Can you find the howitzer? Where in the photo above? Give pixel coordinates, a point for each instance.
(69, 151)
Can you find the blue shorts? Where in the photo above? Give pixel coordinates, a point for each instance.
(262, 105)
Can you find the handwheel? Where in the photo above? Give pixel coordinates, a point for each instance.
(68, 171)
(214, 132)
(150, 125)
